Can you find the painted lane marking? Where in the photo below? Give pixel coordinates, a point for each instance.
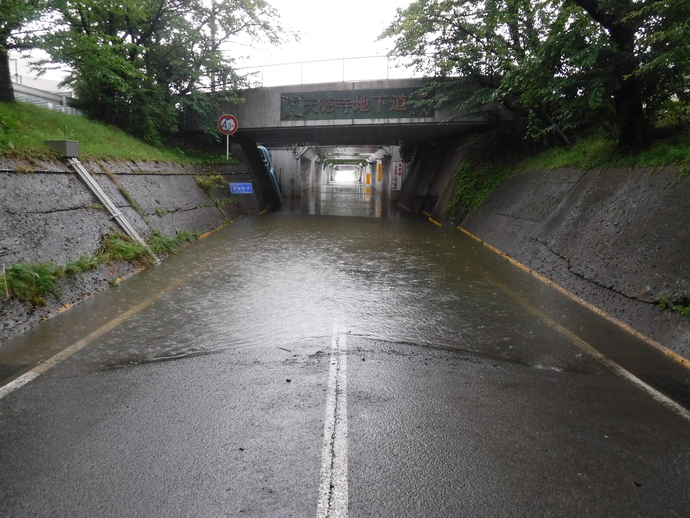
(665, 350)
(333, 487)
(80, 344)
(594, 353)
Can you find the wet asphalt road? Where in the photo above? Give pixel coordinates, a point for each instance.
(455, 384)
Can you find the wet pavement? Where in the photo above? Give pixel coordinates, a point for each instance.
(294, 361)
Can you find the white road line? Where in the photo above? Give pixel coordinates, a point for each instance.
(333, 489)
(594, 353)
(618, 369)
(80, 344)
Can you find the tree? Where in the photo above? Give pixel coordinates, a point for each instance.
(499, 45)
(665, 46)
(137, 63)
(15, 15)
(632, 126)
(563, 63)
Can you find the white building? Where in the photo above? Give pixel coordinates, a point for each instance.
(42, 91)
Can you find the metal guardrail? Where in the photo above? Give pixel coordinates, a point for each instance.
(53, 101)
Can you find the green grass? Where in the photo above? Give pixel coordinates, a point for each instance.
(24, 128)
(473, 185)
(207, 182)
(162, 244)
(33, 282)
(681, 307)
(81, 265)
(682, 310)
(598, 152)
(119, 247)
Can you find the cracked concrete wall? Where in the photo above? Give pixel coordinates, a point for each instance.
(50, 216)
(617, 238)
(47, 217)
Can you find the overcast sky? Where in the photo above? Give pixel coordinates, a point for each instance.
(329, 30)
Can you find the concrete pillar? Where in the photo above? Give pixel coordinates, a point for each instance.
(306, 168)
(369, 176)
(320, 175)
(385, 183)
(376, 177)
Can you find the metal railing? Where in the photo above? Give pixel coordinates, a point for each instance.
(365, 68)
(45, 99)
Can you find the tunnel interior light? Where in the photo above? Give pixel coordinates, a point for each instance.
(345, 175)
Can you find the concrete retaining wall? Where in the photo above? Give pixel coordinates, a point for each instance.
(617, 238)
(48, 215)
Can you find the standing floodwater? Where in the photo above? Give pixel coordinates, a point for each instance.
(303, 360)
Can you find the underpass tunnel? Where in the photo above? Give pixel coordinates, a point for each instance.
(302, 171)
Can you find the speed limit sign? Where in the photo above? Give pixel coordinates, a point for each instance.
(227, 124)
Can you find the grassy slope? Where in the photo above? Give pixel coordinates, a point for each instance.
(490, 163)
(598, 152)
(24, 128)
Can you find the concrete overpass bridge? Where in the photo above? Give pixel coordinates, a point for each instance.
(317, 134)
(345, 113)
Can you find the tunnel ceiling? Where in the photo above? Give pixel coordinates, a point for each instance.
(351, 154)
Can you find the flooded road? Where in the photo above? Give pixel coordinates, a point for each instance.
(308, 364)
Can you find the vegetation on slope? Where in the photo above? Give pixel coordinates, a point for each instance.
(33, 282)
(24, 128)
(495, 155)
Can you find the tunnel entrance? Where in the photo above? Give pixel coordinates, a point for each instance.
(339, 180)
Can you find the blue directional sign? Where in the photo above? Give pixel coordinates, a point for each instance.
(241, 188)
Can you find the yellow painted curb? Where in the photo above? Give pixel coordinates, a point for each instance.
(665, 350)
(434, 221)
(205, 234)
(402, 206)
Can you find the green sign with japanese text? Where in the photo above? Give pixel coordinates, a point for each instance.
(351, 104)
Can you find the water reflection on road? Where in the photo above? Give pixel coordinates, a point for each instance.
(347, 199)
(286, 277)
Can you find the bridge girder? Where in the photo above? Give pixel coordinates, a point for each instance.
(359, 135)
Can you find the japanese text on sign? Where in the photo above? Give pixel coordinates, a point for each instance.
(352, 104)
(397, 176)
(241, 188)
